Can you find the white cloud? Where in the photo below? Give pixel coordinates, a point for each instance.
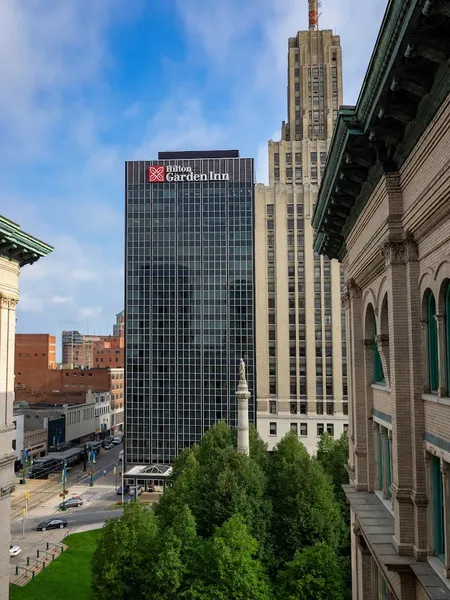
(90, 312)
(62, 299)
(29, 303)
(132, 111)
(180, 124)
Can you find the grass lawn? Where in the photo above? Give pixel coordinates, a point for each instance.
(69, 577)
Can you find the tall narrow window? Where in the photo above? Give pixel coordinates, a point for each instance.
(380, 458)
(388, 466)
(378, 367)
(447, 330)
(438, 509)
(432, 345)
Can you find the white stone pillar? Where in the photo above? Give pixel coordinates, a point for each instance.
(242, 395)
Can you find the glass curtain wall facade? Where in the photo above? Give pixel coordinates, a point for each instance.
(189, 299)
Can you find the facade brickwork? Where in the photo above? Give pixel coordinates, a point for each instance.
(398, 252)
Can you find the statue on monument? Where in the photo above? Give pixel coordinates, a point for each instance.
(242, 370)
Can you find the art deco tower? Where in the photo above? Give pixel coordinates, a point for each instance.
(301, 367)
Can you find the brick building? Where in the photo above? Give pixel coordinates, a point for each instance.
(34, 352)
(108, 352)
(384, 212)
(36, 385)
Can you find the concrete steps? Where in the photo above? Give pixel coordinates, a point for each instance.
(23, 573)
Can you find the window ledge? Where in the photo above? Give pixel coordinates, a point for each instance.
(438, 567)
(380, 386)
(435, 398)
(386, 503)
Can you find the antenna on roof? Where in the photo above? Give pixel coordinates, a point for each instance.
(313, 6)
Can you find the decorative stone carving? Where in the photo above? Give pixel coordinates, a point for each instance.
(8, 302)
(368, 343)
(382, 339)
(393, 253)
(7, 490)
(411, 249)
(353, 289)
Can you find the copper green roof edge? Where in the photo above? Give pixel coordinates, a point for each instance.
(30, 247)
(392, 31)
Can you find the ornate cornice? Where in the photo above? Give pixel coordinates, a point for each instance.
(19, 246)
(406, 83)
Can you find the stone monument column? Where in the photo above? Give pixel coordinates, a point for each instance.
(242, 395)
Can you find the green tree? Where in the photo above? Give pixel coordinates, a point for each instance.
(228, 568)
(304, 508)
(313, 574)
(258, 448)
(217, 482)
(332, 454)
(174, 564)
(119, 565)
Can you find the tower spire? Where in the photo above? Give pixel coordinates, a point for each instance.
(313, 14)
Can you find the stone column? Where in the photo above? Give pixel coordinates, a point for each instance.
(358, 388)
(424, 352)
(368, 380)
(399, 377)
(442, 355)
(7, 456)
(242, 395)
(445, 468)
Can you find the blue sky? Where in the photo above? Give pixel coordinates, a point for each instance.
(88, 84)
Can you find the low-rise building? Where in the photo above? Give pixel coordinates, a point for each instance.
(36, 443)
(102, 413)
(18, 435)
(384, 212)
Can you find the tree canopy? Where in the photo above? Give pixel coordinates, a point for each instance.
(230, 526)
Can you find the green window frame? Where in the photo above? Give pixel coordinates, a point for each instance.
(377, 364)
(447, 334)
(388, 465)
(438, 509)
(380, 458)
(433, 365)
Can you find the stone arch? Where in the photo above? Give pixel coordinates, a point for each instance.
(369, 298)
(380, 295)
(426, 281)
(442, 280)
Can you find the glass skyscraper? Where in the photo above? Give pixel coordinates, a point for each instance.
(189, 297)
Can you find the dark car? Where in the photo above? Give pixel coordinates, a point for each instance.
(52, 524)
(126, 490)
(72, 502)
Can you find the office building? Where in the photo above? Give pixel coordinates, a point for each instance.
(189, 306)
(384, 212)
(301, 357)
(17, 249)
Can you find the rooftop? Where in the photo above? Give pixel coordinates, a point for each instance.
(19, 246)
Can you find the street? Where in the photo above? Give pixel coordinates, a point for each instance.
(75, 517)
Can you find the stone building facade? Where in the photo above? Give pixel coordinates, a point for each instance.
(17, 249)
(300, 343)
(384, 212)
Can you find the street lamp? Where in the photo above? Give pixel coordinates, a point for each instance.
(122, 473)
(91, 465)
(63, 480)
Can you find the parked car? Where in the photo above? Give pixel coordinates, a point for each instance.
(14, 550)
(135, 491)
(71, 503)
(126, 490)
(52, 524)
(116, 441)
(108, 446)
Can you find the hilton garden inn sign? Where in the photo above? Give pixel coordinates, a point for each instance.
(160, 174)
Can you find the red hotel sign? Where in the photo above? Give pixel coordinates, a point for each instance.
(156, 174)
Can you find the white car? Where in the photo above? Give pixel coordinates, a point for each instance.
(135, 491)
(14, 550)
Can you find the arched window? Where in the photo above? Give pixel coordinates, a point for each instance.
(447, 334)
(432, 345)
(377, 366)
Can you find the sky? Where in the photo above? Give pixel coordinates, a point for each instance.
(86, 85)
